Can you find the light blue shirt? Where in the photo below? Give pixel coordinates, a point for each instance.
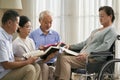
(40, 39)
(6, 53)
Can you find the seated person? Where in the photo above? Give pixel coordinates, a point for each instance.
(44, 35)
(10, 69)
(101, 39)
(23, 44)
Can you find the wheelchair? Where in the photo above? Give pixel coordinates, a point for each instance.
(110, 70)
(97, 70)
(91, 70)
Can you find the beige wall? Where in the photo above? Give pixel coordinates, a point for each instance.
(1, 13)
(27, 10)
(28, 7)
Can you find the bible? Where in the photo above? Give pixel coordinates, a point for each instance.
(48, 51)
(51, 49)
(70, 52)
(36, 53)
(43, 54)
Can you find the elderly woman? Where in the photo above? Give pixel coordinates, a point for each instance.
(100, 39)
(23, 44)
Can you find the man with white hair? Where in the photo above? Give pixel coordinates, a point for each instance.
(43, 36)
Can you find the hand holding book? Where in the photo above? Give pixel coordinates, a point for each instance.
(36, 53)
(45, 47)
(50, 51)
(70, 52)
(52, 55)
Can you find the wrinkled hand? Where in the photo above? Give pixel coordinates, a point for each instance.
(32, 59)
(42, 47)
(67, 46)
(82, 56)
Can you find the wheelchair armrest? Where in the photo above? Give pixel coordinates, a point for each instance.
(102, 53)
(90, 66)
(118, 37)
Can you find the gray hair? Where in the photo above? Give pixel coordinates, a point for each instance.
(44, 13)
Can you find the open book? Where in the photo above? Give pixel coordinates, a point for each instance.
(50, 50)
(70, 52)
(61, 44)
(33, 53)
(43, 54)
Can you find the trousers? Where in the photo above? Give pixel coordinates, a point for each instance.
(64, 64)
(28, 72)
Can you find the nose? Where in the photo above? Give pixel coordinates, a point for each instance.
(49, 25)
(30, 28)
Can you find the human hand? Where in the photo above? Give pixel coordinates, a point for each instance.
(52, 55)
(82, 56)
(42, 47)
(67, 46)
(32, 59)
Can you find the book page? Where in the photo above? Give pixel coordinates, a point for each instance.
(60, 44)
(33, 53)
(69, 51)
(49, 51)
(51, 47)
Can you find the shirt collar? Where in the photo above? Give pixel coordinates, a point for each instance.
(7, 36)
(41, 32)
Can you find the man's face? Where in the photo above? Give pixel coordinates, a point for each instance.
(13, 25)
(16, 24)
(46, 23)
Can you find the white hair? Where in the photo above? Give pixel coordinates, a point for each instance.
(43, 13)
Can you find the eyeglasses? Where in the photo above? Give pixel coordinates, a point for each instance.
(28, 26)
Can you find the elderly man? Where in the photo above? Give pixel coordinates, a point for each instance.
(43, 36)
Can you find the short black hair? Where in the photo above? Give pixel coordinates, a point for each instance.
(109, 11)
(9, 15)
(23, 21)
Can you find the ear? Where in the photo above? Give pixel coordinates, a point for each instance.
(111, 17)
(9, 22)
(20, 29)
(39, 21)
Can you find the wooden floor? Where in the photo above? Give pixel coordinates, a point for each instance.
(77, 77)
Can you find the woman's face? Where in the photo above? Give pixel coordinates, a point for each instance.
(104, 18)
(25, 30)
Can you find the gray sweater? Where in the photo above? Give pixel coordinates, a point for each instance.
(98, 41)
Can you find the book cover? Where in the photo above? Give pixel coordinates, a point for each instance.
(50, 50)
(60, 44)
(43, 54)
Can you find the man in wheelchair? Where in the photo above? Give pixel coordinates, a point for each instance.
(101, 39)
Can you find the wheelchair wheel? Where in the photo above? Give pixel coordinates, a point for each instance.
(107, 71)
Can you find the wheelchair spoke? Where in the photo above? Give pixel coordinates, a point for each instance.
(108, 71)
